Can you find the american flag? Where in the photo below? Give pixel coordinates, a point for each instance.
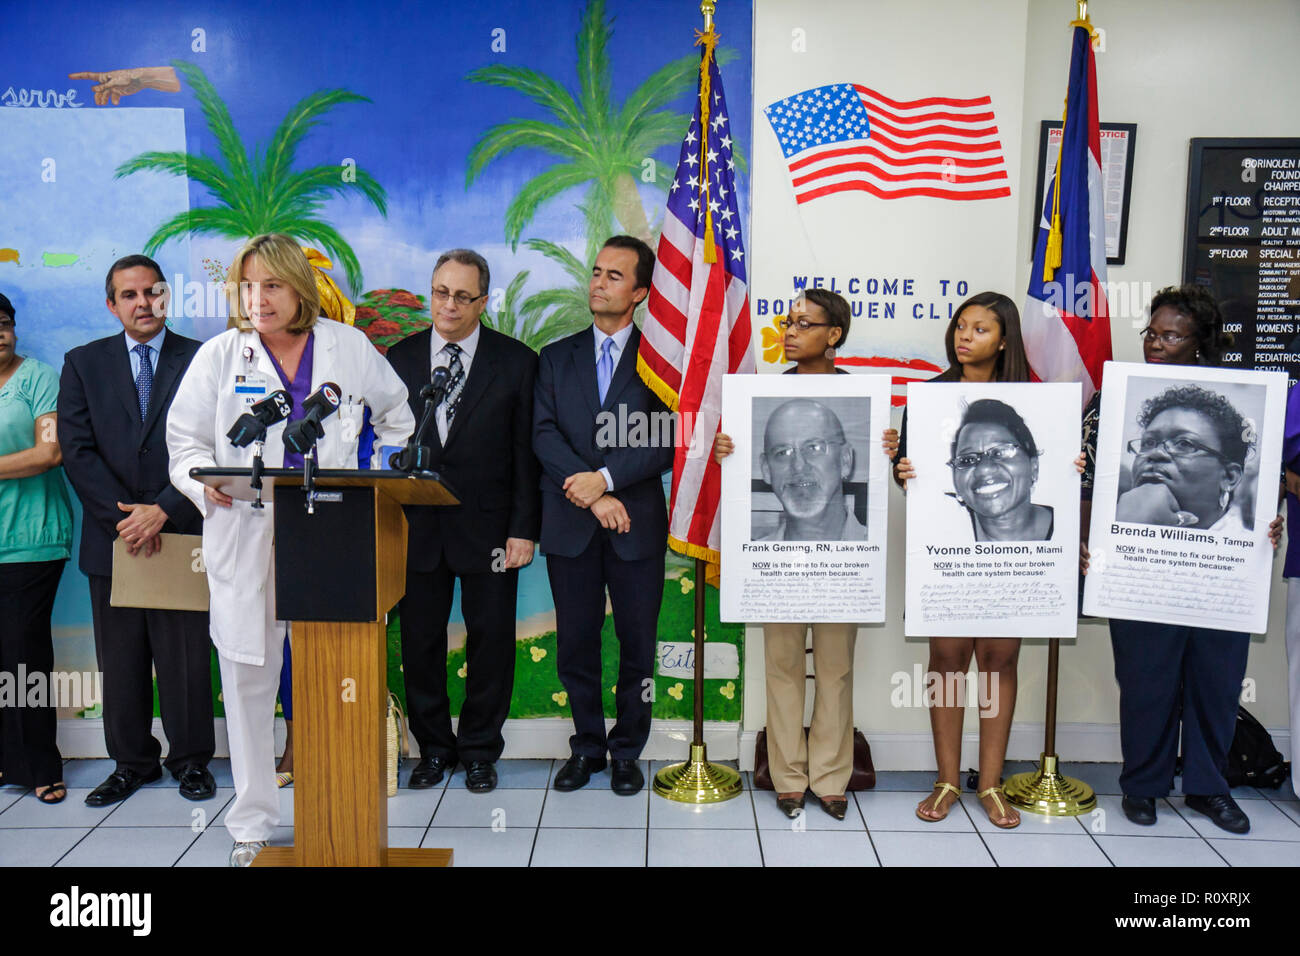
(846, 137)
(1066, 322)
(698, 324)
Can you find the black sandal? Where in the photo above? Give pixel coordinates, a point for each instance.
(60, 789)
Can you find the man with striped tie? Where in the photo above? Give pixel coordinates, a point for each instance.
(482, 450)
(114, 396)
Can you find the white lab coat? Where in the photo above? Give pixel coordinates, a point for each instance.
(237, 541)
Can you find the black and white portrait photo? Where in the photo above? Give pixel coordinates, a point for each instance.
(994, 468)
(809, 486)
(1190, 455)
(805, 497)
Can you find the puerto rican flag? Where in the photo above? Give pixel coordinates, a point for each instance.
(698, 328)
(846, 137)
(1066, 320)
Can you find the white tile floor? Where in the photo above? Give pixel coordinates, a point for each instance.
(525, 823)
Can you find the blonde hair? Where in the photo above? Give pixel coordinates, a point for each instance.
(284, 259)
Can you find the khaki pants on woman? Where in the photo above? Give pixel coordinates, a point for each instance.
(823, 762)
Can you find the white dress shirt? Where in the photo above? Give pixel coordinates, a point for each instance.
(438, 356)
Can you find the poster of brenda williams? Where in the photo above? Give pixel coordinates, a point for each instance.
(1188, 460)
(993, 512)
(804, 498)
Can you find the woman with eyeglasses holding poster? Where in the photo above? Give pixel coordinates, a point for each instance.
(818, 322)
(1174, 677)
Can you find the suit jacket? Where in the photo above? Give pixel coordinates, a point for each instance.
(488, 460)
(570, 417)
(108, 453)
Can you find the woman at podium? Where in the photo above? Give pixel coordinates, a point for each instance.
(274, 343)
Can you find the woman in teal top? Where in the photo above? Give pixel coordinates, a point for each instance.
(35, 542)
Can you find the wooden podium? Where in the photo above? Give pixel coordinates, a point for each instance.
(338, 571)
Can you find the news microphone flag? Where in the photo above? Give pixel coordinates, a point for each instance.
(1066, 321)
(846, 137)
(697, 327)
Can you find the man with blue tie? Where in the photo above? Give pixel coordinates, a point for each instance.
(604, 520)
(114, 396)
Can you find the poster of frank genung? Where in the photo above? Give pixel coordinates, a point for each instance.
(993, 512)
(1188, 462)
(804, 498)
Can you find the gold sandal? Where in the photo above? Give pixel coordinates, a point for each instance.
(943, 788)
(1002, 810)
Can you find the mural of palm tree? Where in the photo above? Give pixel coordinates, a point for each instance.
(260, 191)
(549, 314)
(599, 146)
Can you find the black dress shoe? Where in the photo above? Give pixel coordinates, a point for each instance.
(196, 783)
(626, 778)
(1222, 811)
(121, 783)
(480, 776)
(577, 771)
(428, 772)
(1140, 810)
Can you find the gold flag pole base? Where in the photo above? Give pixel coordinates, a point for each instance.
(697, 780)
(1049, 792)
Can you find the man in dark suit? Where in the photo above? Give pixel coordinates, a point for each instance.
(482, 448)
(113, 401)
(604, 523)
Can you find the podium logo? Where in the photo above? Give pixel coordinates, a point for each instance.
(74, 908)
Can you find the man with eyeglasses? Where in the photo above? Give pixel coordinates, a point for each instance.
(806, 460)
(482, 450)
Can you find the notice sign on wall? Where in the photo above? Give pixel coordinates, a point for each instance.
(1243, 242)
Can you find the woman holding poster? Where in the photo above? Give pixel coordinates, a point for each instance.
(818, 321)
(984, 344)
(1177, 680)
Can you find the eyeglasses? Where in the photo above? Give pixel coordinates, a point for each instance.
(803, 325)
(1180, 447)
(462, 299)
(814, 449)
(1169, 338)
(1004, 451)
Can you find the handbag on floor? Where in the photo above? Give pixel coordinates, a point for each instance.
(864, 772)
(1253, 760)
(395, 732)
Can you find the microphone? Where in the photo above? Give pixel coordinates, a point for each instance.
(415, 455)
(252, 425)
(301, 435)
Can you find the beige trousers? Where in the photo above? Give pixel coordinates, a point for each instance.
(823, 762)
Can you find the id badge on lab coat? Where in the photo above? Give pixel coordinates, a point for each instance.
(251, 386)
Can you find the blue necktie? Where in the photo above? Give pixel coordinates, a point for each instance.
(144, 381)
(604, 368)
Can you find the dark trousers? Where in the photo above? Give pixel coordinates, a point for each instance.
(636, 589)
(29, 755)
(1170, 675)
(487, 602)
(131, 643)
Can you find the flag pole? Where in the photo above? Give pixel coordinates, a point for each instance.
(1046, 790)
(697, 780)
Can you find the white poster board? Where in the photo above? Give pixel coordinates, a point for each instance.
(1188, 460)
(804, 498)
(993, 512)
